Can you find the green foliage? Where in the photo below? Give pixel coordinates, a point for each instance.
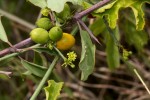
(39, 59)
(87, 60)
(111, 11)
(39, 3)
(46, 50)
(34, 68)
(58, 5)
(112, 51)
(98, 26)
(3, 35)
(53, 89)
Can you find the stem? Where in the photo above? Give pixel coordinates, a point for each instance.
(17, 19)
(140, 78)
(88, 30)
(75, 29)
(63, 57)
(18, 45)
(77, 16)
(111, 32)
(47, 74)
(17, 53)
(91, 9)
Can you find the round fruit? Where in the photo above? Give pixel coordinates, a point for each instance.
(44, 23)
(65, 13)
(39, 35)
(66, 42)
(55, 33)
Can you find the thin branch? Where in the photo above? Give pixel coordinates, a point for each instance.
(28, 41)
(17, 19)
(18, 45)
(91, 9)
(88, 30)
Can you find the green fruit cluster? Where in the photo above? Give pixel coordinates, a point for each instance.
(45, 31)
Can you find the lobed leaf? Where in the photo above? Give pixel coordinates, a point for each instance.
(111, 11)
(53, 89)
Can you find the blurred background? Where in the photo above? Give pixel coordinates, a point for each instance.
(19, 17)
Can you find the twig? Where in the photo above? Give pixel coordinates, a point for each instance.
(28, 41)
(91, 9)
(6, 73)
(88, 30)
(49, 71)
(140, 78)
(18, 45)
(17, 19)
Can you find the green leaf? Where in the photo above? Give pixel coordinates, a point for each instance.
(39, 59)
(139, 14)
(3, 35)
(46, 50)
(98, 26)
(34, 68)
(39, 3)
(53, 89)
(87, 61)
(111, 11)
(134, 37)
(112, 51)
(58, 5)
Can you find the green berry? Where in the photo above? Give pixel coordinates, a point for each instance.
(44, 23)
(39, 35)
(55, 33)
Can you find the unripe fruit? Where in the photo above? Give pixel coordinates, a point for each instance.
(44, 23)
(66, 42)
(65, 13)
(39, 35)
(55, 33)
(45, 11)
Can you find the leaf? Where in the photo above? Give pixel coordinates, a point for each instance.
(98, 26)
(46, 50)
(53, 89)
(112, 51)
(34, 68)
(3, 35)
(58, 5)
(87, 61)
(134, 37)
(111, 11)
(39, 3)
(39, 59)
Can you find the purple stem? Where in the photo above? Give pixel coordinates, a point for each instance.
(18, 45)
(78, 16)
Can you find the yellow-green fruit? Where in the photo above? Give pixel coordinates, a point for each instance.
(65, 13)
(44, 23)
(55, 33)
(66, 42)
(39, 35)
